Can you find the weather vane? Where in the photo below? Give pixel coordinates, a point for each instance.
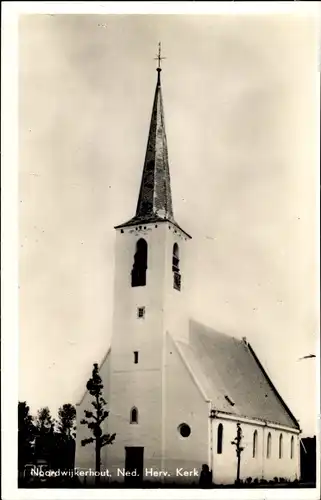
(159, 58)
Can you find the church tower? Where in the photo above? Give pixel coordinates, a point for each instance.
(149, 300)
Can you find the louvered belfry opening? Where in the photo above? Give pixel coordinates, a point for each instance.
(175, 268)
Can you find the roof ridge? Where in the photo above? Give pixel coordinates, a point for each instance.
(210, 329)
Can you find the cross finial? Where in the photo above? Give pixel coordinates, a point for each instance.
(159, 58)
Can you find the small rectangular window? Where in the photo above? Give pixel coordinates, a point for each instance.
(135, 357)
(141, 312)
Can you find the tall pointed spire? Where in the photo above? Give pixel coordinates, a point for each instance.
(155, 197)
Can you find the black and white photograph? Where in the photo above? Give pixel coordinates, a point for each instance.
(167, 252)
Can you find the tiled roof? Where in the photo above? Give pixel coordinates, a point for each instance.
(232, 377)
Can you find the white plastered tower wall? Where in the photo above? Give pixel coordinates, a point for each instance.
(176, 302)
(142, 385)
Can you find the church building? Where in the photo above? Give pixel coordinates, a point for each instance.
(176, 389)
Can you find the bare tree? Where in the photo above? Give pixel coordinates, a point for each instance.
(238, 448)
(94, 419)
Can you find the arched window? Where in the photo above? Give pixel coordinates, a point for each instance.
(175, 268)
(254, 444)
(220, 439)
(269, 446)
(292, 447)
(280, 446)
(134, 415)
(140, 264)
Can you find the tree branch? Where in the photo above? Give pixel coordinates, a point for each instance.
(86, 441)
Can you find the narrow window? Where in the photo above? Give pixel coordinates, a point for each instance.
(220, 438)
(134, 415)
(141, 312)
(268, 447)
(136, 357)
(254, 444)
(175, 268)
(140, 264)
(280, 446)
(292, 447)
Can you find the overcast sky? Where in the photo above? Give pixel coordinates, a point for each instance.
(240, 103)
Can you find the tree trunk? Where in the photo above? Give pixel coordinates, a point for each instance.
(238, 467)
(97, 476)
